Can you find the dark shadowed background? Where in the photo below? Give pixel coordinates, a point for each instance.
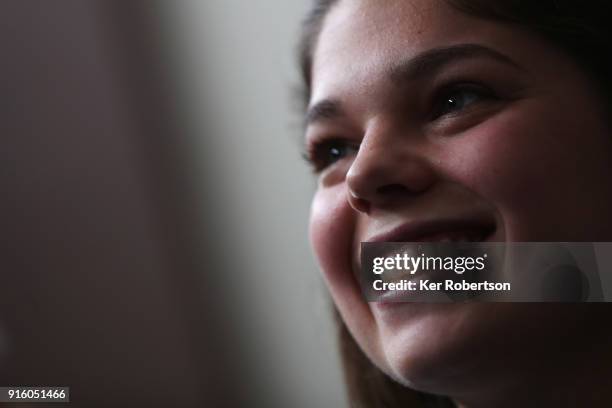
(154, 207)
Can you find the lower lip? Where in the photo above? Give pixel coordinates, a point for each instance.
(398, 313)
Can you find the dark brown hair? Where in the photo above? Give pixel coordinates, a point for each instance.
(581, 28)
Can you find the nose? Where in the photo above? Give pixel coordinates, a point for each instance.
(388, 167)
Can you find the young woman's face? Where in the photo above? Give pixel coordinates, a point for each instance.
(421, 115)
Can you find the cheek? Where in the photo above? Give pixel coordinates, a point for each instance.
(332, 223)
(536, 168)
(332, 230)
(501, 161)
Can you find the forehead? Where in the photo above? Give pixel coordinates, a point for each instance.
(367, 22)
(361, 39)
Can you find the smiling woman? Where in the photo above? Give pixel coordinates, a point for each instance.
(452, 117)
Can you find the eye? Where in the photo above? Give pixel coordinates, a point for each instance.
(455, 99)
(324, 154)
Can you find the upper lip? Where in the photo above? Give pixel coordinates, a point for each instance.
(421, 231)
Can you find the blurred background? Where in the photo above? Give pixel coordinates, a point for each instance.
(154, 206)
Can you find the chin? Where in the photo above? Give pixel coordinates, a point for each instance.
(437, 348)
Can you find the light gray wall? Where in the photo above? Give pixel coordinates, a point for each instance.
(90, 295)
(235, 62)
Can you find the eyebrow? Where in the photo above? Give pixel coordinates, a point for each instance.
(326, 109)
(432, 61)
(427, 63)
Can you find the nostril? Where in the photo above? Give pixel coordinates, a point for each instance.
(391, 189)
(359, 204)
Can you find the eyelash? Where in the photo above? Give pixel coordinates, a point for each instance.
(449, 92)
(319, 154)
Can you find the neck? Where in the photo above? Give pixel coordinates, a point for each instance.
(570, 377)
